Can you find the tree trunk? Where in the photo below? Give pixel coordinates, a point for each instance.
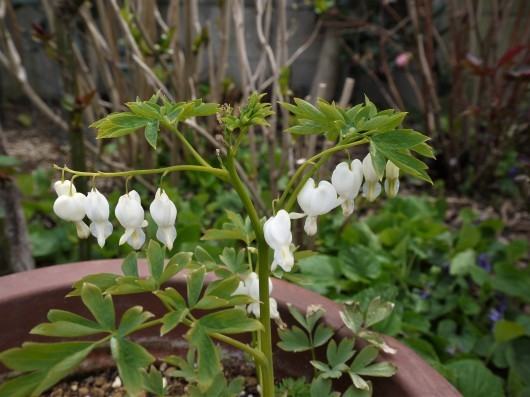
(15, 249)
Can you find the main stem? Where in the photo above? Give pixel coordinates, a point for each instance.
(267, 380)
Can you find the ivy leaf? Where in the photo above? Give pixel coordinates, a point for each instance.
(130, 359)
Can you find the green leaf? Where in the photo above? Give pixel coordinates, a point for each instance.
(352, 391)
(145, 109)
(204, 109)
(359, 382)
(468, 237)
(51, 361)
(505, 330)
(130, 358)
(340, 354)
(153, 381)
(383, 369)
(132, 319)
(234, 261)
(175, 265)
(352, 316)
(119, 124)
(208, 364)
(322, 334)
(364, 358)
(398, 139)
(102, 280)
(299, 317)
(195, 280)
(171, 297)
(66, 324)
(130, 265)
(462, 263)
(151, 132)
(230, 321)
(310, 112)
(155, 260)
(223, 288)
(101, 307)
(172, 319)
(294, 339)
(473, 379)
(377, 311)
(320, 387)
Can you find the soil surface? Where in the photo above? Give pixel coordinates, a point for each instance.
(107, 383)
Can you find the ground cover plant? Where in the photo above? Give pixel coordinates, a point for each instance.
(461, 295)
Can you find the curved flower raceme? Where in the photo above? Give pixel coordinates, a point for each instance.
(70, 206)
(278, 236)
(391, 181)
(164, 213)
(130, 214)
(315, 201)
(347, 181)
(250, 287)
(371, 188)
(97, 210)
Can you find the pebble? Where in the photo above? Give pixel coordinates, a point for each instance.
(117, 383)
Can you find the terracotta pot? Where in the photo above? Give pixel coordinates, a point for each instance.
(26, 297)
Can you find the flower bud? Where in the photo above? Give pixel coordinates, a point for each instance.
(371, 187)
(391, 181)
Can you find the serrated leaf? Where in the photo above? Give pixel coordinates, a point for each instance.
(130, 359)
(309, 111)
(101, 307)
(132, 319)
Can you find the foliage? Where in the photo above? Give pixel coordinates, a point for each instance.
(459, 294)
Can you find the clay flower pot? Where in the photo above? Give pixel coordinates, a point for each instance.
(26, 297)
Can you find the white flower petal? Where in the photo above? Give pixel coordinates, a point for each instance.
(167, 235)
(391, 171)
(310, 226)
(70, 208)
(62, 188)
(137, 239)
(163, 210)
(346, 181)
(277, 230)
(368, 169)
(83, 231)
(371, 190)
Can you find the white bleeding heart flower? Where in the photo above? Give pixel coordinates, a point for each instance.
(371, 187)
(392, 179)
(130, 214)
(97, 210)
(314, 201)
(70, 206)
(347, 181)
(164, 213)
(63, 188)
(250, 287)
(278, 236)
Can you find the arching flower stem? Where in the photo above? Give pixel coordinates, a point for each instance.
(219, 173)
(317, 160)
(185, 142)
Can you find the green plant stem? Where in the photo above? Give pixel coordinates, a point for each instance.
(317, 160)
(219, 173)
(265, 346)
(185, 142)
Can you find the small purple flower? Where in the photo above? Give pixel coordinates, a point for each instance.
(424, 295)
(512, 171)
(495, 315)
(483, 261)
